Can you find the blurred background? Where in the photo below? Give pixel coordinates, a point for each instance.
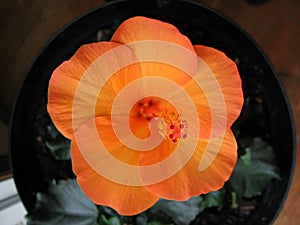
(26, 26)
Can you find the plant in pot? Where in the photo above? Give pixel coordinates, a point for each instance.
(171, 100)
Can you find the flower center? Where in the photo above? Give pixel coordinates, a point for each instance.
(171, 127)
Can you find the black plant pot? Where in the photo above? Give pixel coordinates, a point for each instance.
(203, 26)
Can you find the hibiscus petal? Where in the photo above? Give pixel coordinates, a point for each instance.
(192, 180)
(112, 87)
(101, 148)
(227, 75)
(141, 28)
(125, 199)
(160, 48)
(204, 110)
(75, 84)
(216, 91)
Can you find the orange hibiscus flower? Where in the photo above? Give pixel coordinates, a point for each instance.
(148, 115)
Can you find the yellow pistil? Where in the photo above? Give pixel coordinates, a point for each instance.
(176, 129)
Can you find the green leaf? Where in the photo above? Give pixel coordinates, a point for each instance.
(102, 220)
(111, 221)
(156, 223)
(57, 144)
(234, 204)
(60, 149)
(109, 211)
(52, 131)
(63, 203)
(254, 170)
(141, 219)
(182, 213)
(238, 178)
(247, 158)
(213, 199)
